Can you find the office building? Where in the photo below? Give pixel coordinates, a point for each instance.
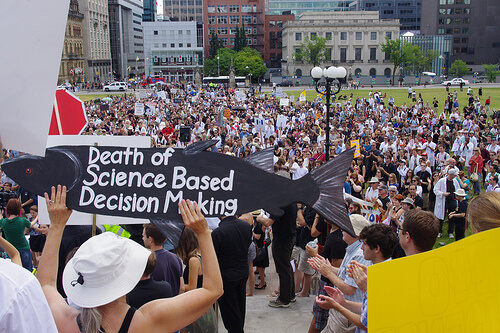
(273, 45)
(278, 7)
(223, 16)
(126, 38)
(473, 24)
(406, 11)
(172, 49)
(183, 10)
(149, 14)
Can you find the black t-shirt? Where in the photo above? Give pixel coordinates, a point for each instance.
(334, 248)
(462, 208)
(450, 188)
(304, 233)
(257, 229)
(385, 201)
(418, 202)
(285, 226)
(148, 290)
(424, 176)
(231, 241)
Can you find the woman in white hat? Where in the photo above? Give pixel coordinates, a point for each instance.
(107, 267)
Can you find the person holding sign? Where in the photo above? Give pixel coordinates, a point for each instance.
(107, 267)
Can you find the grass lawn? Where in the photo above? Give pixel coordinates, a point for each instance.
(89, 97)
(401, 95)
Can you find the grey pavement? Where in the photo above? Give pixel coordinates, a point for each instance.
(262, 318)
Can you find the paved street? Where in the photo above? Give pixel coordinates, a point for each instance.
(262, 318)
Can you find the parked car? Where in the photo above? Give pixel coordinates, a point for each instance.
(455, 82)
(66, 86)
(115, 86)
(285, 84)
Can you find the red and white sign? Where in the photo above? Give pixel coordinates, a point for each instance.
(68, 114)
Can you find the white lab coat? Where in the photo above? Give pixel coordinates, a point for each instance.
(439, 189)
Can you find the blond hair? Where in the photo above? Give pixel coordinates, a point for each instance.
(484, 211)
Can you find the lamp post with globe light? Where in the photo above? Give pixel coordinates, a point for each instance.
(332, 76)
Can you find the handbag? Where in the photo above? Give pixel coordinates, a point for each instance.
(474, 177)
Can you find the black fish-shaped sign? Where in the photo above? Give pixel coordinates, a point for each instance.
(149, 182)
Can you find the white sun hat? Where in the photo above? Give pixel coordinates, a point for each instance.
(104, 268)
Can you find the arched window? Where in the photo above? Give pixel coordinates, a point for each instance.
(298, 72)
(373, 72)
(357, 71)
(387, 72)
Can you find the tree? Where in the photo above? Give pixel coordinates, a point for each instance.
(459, 68)
(251, 58)
(213, 65)
(398, 53)
(420, 61)
(312, 51)
(215, 44)
(240, 41)
(491, 72)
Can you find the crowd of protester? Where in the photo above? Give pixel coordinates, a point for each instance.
(420, 164)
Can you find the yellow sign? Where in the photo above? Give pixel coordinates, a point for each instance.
(227, 113)
(357, 152)
(451, 289)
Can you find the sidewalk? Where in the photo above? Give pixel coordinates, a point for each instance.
(262, 318)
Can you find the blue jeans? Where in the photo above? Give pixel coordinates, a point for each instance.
(477, 185)
(26, 259)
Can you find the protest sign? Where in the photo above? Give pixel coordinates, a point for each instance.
(162, 95)
(79, 218)
(357, 152)
(139, 109)
(142, 94)
(292, 99)
(452, 288)
(368, 209)
(149, 108)
(30, 64)
(284, 102)
(279, 92)
(150, 182)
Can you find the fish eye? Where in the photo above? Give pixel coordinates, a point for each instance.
(28, 171)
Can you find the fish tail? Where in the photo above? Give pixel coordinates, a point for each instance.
(171, 229)
(330, 179)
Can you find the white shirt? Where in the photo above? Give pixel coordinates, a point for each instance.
(297, 171)
(23, 307)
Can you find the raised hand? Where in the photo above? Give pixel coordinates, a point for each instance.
(192, 216)
(56, 206)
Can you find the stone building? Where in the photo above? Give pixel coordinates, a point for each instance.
(72, 60)
(353, 40)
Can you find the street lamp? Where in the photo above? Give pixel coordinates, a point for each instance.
(332, 77)
(218, 63)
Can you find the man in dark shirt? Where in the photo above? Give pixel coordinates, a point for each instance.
(231, 241)
(284, 233)
(147, 289)
(168, 265)
(417, 200)
(383, 197)
(458, 216)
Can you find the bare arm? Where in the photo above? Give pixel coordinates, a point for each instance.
(265, 220)
(314, 230)
(327, 270)
(13, 253)
(172, 314)
(64, 315)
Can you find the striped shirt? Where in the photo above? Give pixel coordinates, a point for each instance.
(353, 252)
